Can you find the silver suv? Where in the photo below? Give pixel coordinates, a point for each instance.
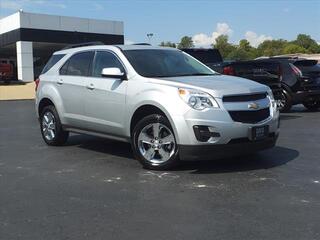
(168, 105)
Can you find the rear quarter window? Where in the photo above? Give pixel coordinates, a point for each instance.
(52, 61)
(78, 64)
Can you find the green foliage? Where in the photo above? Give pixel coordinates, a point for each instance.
(186, 42)
(224, 46)
(244, 51)
(294, 48)
(168, 44)
(306, 42)
(271, 47)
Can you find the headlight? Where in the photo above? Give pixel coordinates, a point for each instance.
(197, 99)
(272, 100)
(270, 94)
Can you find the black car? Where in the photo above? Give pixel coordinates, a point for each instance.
(292, 80)
(267, 73)
(300, 81)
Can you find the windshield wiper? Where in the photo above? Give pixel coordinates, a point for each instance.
(200, 74)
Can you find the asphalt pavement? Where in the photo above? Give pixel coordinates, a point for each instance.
(92, 188)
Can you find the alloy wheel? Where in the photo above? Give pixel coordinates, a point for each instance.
(156, 143)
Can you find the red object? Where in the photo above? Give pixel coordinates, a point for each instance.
(228, 71)
(37, 81)
(6, 71)
(296, 70)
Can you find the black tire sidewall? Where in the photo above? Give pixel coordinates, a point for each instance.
(154, 118)
(288, 99)
(61, 136)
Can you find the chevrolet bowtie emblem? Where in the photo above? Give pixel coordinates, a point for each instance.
(253, 106)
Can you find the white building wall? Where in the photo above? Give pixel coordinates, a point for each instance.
(25, 61)
(62, 23)
(10, 23)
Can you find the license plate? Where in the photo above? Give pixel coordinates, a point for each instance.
(258, 133)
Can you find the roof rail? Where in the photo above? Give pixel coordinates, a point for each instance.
(143, 44)
(83, 45)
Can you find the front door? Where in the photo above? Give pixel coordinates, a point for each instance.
(105, 97)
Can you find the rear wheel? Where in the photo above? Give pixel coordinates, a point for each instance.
(284, 101)
(312, 105)
(51, 128)
(154, 143)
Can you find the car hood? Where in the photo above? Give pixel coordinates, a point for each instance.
(217, 85)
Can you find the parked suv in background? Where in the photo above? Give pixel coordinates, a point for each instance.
(167, 104)
(267, 73)
(300, 81)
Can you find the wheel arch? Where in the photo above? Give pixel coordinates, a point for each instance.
(43, 103)
(148, 109)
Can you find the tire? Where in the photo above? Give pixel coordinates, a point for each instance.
(285, 101)
(149, 147)
(312, 105)
(51, 128)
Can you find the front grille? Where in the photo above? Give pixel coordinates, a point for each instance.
(244, 98)
(250, 116)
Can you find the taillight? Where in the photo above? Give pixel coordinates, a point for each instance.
(295, 70)
(228, 71)
(37, 81)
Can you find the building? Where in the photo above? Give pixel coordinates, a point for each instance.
(27, 40)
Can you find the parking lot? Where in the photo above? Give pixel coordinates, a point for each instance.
(94, 189)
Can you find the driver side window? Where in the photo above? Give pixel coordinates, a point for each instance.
(103, 60)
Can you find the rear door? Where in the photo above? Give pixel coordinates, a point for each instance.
(105, 97)
(72, 85)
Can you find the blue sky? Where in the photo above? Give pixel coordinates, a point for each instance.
(169, 20)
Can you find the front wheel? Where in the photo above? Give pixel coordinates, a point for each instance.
(51, 128)
(154, 143)
(284, 101)
(312, 105)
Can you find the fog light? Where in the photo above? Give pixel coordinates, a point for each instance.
(203, 133)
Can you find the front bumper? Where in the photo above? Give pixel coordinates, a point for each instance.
(219, 121)
(301, 96)
(233, 148)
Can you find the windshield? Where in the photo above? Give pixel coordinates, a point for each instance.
(165, 63)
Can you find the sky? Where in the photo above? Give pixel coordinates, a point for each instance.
(203, 20)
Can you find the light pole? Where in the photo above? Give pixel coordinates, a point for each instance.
(149, 35)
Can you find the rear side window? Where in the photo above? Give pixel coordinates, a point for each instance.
(52, 61)
(105, 60)
(78, 65)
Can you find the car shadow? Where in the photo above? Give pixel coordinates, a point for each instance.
(284, 117)
(101, 145)
(301, 109)
(274, 157)
(271, 158)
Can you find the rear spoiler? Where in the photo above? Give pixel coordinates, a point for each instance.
(305, 63)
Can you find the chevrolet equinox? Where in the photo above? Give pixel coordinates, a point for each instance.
(167, 104)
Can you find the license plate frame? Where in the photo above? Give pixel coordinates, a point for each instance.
(259, 133)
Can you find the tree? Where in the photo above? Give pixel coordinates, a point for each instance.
(186, 42)
(306, 42)
(271, 47)
(294, 48)
(168, 44)
(223, 46)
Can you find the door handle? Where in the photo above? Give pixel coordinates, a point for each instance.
(90, 86)
(60, 81)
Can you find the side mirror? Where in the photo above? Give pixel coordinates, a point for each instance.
(113, 73)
